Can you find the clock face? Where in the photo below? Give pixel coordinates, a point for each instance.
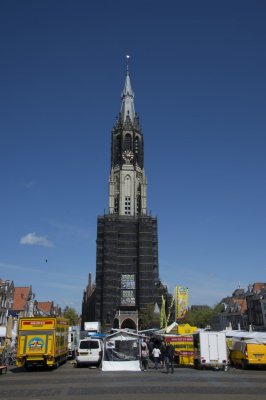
(128, 155)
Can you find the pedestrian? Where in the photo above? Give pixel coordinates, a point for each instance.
(162, 356)
(169, 358)
(150, 345)
(156, 356)
(144, 355)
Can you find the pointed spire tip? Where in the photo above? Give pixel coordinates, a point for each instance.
(127, 60)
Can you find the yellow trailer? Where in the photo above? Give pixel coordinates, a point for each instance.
(42, 341)
(249, 352)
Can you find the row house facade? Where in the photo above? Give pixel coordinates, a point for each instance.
(244, 310)
(23, 302)
(6, 300)
(256, 306)
(19, 301)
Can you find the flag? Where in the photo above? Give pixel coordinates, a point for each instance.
(163, 314)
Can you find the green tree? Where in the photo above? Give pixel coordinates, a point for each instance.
(202, 316)
(71, 314)
(199, 317)
(148, 318)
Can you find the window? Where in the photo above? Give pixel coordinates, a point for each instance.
(127, 142)
(127, 205)
(89, 344)
(116, 205)
(118, 143)
(138, 204)
(128, 298)
(136, 145)
(128, 292)
(127, 186)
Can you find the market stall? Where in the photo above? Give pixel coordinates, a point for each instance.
(121, 352)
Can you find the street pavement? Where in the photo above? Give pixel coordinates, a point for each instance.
(71, 383)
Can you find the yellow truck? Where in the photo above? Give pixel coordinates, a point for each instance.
(42, 341)
(249, 352)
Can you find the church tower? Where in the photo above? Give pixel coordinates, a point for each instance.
(127, 272)
(127, 184)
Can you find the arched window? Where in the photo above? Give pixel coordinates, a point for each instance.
(116, 149)
(138, 204)
(118, 143)
(127, 142)
(127, 185)
(117, 184)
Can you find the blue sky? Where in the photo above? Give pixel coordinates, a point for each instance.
(198, 73)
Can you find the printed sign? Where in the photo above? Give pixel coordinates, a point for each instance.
(31, 324)
(36, 344)
(181, 301)
(128, 293)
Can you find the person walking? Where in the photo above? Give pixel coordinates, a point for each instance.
(144, 355)
(156, 355)
(162, 356)
(169, 358)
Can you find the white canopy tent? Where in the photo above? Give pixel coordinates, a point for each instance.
(121, 352)
(235, 334)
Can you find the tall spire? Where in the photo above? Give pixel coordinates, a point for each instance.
(127, 183)
(127, 96)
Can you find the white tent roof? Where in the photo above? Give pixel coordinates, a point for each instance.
(167, 329)
(245, 334)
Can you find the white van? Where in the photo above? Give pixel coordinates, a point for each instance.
(89, 352)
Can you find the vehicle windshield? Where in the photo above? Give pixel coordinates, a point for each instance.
(89, 344)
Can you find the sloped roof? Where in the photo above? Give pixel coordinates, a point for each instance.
(21, 296)
(235, 305)
(46, 306)
(123, 334)
(243, 305)
(258, 286)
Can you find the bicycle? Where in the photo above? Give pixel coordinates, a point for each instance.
(9, 357)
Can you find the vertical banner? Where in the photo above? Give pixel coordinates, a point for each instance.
(181, 301)
(163, 314)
